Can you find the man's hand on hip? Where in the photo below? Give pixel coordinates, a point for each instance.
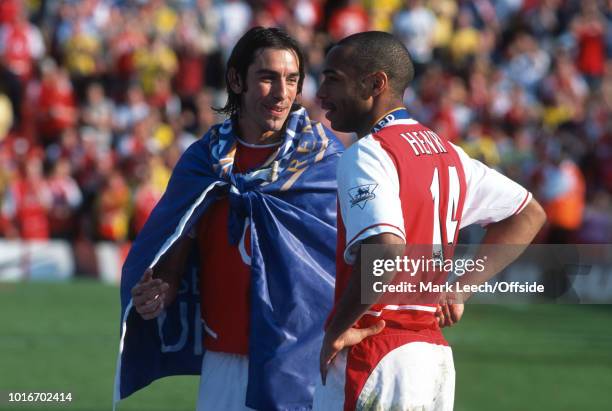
(332, 346)
(449, 314)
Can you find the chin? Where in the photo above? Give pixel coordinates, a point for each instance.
(343, 128)
(276, 124)
(338, 124)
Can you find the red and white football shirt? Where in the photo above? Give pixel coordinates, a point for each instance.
(408, 181)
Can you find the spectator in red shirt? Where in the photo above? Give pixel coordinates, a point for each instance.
(26, 204)
(128, 37)
(589, 29)
(21, 44)
(57, 110)
(347, 20)
(190, 52)
(9, 10)
(147, 194)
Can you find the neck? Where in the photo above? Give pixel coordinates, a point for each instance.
(379, 110)
(269, 137)
(256, 137)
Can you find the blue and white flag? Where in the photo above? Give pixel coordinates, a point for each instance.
(291, 204)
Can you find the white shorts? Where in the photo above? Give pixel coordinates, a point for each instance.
(223, 382)
(414, 376)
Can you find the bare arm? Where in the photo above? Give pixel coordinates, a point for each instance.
(170, 269)
(349, 310)
(517, 231)
(159, 286)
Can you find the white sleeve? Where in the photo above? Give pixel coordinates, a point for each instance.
(490, 196)
(368, 193)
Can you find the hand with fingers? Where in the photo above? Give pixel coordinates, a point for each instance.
(449, 314)
(333, 345)
(148, 295)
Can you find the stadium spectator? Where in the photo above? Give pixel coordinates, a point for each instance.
(465, 42)
(114, 203)
(234, 19)
(589, 29)
(9, 10)
(21, 45)
(164, 17)
(132, 111)
(564, 94)
(97, 115)
(191, 44)
(528, 63)
(155, 61)
(66, 199)
(134, 148)
(544, 20)
(445, 12)
(154, 176)
(27, 201)
(381, 13)
(127, 36)
(413, 26)
(561, 188)
(55, 104)
(348, 19)
(82, 56)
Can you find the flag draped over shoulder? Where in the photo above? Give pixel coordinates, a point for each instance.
(290, 203)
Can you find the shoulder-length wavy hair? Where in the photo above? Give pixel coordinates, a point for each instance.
(243, 56)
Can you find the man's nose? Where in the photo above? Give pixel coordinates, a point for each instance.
(280, 89)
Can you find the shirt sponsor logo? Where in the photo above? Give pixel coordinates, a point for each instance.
(360, 195)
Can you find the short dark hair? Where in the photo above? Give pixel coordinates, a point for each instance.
(372, 51)
(244, 53)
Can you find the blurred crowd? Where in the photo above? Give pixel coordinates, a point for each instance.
(99, 98)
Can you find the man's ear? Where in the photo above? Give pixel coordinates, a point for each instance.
(374, 84)
(379, 82)
(234, 80)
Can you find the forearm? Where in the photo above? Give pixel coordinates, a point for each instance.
(171, 267)
(350, 308)
(504, 242)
